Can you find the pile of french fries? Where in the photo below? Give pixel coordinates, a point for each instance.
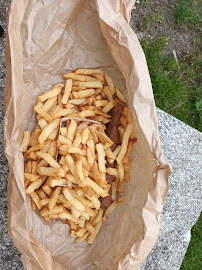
(65, 170)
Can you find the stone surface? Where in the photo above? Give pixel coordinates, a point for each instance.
(182, 146)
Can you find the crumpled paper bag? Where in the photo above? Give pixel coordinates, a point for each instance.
(44, 40)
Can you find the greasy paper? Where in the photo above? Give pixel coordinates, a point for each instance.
(44, 40)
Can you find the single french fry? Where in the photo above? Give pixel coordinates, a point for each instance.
(90, 156)
(111, 208)
(66, 215)
(117, 150)
(48, 158)
(42, 123)
(119, 95)
(88, 71)
(31, 177)
(81, 232)
(48, 171)
(110, 84)
(75, 213)
(77, 101)
(74, 201)
(34, 185)
(61, 113)
(85, 215)
(54, 197)
(91, 237)
(86, 113)
(95, 187)
(126, 137)
(93, 84)
(25, 140)
(64, 140)
(81, 127)
(114, 187)
(79, 170)
(81, 78)
(76, 88)
(84, 93)
(45, 201)
(51, 93)
(85, 135)
(77, 139)
(56, 210)
(48, 129)
(96, 173)
(120, 169)
(36, 199)
(71, 130)
(121, 131)
(108, 107)
(80, 239)
(42, 194)
(59, 100)
(54, 134)
(101, 103)
(47, 189)
(70, 162)
(89, 227)
(82, 222)
(98, 218)
(66, 149)
(92, 130)
(67, 91)
(101, 157)
(108, 93)
(63, 131)
(57, 181)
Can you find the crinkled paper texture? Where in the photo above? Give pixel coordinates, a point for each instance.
(44, 40)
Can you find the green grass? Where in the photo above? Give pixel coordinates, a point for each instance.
(193, 257)
(150, 18)
(188, 13)
(176, 86)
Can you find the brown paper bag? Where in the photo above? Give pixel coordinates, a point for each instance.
(44, 40)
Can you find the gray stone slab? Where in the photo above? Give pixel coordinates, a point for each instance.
(182, 146)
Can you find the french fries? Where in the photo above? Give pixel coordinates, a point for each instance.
(68, 161)
(25, 140)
